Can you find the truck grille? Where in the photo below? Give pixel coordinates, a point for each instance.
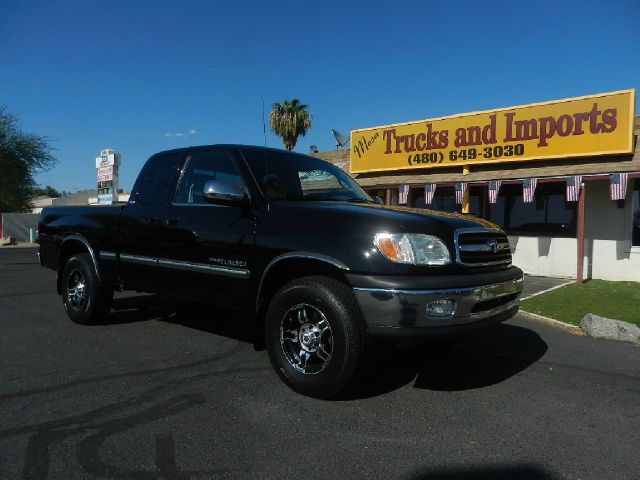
(481, 247)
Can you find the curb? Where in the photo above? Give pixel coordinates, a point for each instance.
(573, 329)
(21, 245)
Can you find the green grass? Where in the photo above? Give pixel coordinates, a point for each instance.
(617, 300)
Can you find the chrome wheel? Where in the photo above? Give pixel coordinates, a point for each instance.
(306, 339)
(76, 289)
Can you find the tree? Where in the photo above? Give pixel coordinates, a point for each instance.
(22, 155)
(47, 191)
(289, 120)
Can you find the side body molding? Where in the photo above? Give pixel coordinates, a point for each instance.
(297, 255)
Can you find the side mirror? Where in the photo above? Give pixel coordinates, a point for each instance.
(377, 200)
(219, 191)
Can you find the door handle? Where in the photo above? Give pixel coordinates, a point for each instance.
(171, 221)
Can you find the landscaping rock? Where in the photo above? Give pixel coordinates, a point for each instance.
(601, 327)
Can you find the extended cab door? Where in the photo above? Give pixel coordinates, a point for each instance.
(206, 250)
(140, 221)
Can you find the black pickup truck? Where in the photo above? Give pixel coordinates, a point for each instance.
(295, 242)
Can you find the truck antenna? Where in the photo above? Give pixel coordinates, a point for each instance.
(264, 125)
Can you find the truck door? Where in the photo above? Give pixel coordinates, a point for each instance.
(140, 221)
(206, 250)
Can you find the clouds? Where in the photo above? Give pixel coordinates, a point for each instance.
(191, 131)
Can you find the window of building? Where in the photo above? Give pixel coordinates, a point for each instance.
(444, 199)
(380, 193)
(549, 214)
(636, 214)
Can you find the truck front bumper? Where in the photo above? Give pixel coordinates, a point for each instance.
(409, 313)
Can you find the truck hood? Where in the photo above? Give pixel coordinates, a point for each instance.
(372, 217)
(346, 231)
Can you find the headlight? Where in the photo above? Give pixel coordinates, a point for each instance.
(412, 248)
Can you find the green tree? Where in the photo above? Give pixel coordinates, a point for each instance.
(22, 155)
(289, 120)
(47, 191)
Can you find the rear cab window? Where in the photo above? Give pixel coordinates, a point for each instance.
(157, 180)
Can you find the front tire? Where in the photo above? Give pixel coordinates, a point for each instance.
(315, 337)
(86, 300)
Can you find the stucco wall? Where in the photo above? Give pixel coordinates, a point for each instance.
(545, 256)
(608, 253)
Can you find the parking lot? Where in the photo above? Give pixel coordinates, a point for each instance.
(174, 391)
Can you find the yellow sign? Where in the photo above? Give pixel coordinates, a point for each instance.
(575, 127)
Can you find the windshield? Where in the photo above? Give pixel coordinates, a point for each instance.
(289, 176)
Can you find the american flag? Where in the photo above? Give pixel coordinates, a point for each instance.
(618, 185)
(494, 189)
(573, 188)
(429, 192)
(529, 189)
(403, 194)
(461, 187)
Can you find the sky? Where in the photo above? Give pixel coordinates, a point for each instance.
(144, 76)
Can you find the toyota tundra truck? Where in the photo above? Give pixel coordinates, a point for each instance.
(319, 265)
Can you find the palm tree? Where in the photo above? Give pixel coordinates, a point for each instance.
(289, 120)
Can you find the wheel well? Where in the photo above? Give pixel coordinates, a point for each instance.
(282, 273)
(67, 250)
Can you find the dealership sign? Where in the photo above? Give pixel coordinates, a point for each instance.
(576, 127)
(105, 199)
(105, 160)
(105, 174)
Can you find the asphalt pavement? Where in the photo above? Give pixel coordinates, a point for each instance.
(175, 391)
(534, 285)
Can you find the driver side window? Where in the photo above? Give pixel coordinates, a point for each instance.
(202, 167)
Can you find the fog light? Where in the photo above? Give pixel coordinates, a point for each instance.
(441, 308)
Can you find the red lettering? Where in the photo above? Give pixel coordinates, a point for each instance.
(609, 122)
(547, 130)
(593, 117)
(461, 138)
(388, 135)
(578, 118)
(509, 137)
(399, 140)
(489, 131)
(432, 143)
(444, 138)
(564, 125)
(410, 143)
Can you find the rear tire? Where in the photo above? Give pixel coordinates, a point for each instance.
(315, 337)
(86, 300)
